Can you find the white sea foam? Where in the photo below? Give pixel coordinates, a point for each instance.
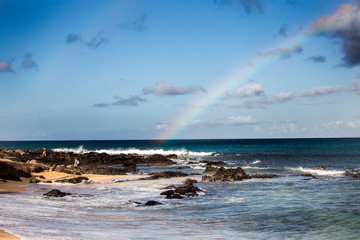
(324, 172)
(181, 152)
(255, 162)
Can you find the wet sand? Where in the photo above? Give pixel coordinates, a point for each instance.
(7, 236)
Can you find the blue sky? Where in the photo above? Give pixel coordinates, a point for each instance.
(149, 69)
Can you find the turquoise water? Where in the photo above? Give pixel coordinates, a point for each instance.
(287, 207)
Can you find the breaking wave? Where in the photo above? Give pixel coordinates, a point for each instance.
(325, 172)
(181, 152)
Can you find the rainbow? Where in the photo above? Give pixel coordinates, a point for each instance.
(342, 17)
(239, 75)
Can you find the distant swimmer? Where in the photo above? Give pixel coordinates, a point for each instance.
(44, 152)
(76, 162)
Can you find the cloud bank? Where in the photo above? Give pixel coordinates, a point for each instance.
(344, 24)
(164, 88)
(230, 121)
(284, 52)
(132, 100)
(251, 89)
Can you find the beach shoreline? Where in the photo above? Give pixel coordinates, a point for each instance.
(8, 236)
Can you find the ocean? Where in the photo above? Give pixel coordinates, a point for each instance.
(290, 206)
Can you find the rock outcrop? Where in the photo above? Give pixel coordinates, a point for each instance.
(74, 180)
(56, 193)
(166, 174)
(226, 175)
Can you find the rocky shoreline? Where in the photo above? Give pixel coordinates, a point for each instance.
(29, 164)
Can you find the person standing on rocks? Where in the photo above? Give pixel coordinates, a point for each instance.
(76, 162)
(44, 152)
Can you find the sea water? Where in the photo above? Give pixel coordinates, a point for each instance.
(290, 206)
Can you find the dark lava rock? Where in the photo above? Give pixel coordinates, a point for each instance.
(174, 196)
(263, 175)
(173, 156)
(38, 169)
(168, 193)
(152, 203)
(73, 180)
(227, 175)
(47, 181)
(307, 175)
(189, 181)
(166, 174)
(169, 187)
(158, 160)
(13, 171)
(187, 190)
(56, 193)
(179, 192)
(211, 169)
(130, 167)
(34, 180)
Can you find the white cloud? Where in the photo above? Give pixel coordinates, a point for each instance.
(353, 88)
(280, 128)
(164, 88)
(340, 125)
(251, 89)
(230, 121)
(132, 100)
(320, 91)
(162, 127)
(283, 96)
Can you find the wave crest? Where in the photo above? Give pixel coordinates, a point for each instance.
(181, 152)
(320, 172)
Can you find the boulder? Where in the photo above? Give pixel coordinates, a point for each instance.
(211, 169)
(13, 171)
(56, 193)
(179, 192)
(34, 180)
(189, 181)
(158, 160)
(174, 196)
(152, 203)
(74, 180)
(168, 193)
(166, 174)
(227, 175)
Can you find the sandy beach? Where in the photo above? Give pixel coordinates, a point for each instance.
(7, 236)
(14, 187)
